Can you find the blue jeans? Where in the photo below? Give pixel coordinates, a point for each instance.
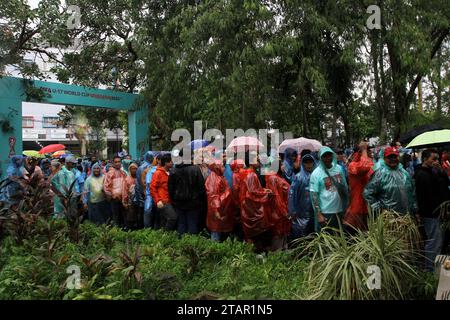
(188, 221)
(433, 243)
(148, 208)
(219, 236)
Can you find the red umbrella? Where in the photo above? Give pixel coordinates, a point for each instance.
(52, 148)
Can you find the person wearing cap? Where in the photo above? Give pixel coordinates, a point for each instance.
(71, 165)
(328, 190)
(61, 181)
(359, 173)
(391, 187)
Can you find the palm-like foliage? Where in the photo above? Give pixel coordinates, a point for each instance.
(339, 262)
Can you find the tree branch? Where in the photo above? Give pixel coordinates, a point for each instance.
(437, 45)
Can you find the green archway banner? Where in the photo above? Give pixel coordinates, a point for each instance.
(13, 91)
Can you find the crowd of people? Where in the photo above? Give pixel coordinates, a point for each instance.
(246, 198)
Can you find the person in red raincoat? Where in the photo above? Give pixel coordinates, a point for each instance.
(237, 166)
(359, 173)
(221, 208)
(279, 210)
(255, 206)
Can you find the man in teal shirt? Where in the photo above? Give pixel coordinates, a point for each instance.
(328, 190)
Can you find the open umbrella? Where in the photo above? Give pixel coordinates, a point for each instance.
(246, 142)
(33, 154)
(52, 148)
(431, 138)
(411, 134)
(60, 153)
(198, 144)
(300, 144)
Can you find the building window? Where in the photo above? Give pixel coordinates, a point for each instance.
(49, 122)
(27, 122)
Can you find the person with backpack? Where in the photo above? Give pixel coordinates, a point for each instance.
(188, 195)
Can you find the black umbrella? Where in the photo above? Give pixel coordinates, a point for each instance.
(411, 134)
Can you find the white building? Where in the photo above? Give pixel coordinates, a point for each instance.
(39, 129)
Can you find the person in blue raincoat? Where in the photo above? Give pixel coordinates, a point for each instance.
(12, 190)
(149, 209)
(140, 188)
(289, 164)
(300, 207)
(46, 167)
(328, 190)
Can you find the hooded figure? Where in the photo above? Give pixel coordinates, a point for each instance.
(16, 170)
(288, 164)
(133, 218)
(329, 190)
(16, 167)
(94, 197)
(278, 214)
(61, 182)
(221, 209)
(359, 173)
(125, 164)
(254, 203)
(46, 168)
(391, 188)
(140, 181)
(300, 206)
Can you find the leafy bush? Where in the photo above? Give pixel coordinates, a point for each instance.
(149, 264)
(339, 262)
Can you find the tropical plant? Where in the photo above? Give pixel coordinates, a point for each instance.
(341, 264)
(72, 211)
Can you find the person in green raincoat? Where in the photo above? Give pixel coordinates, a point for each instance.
(61, 180)
(391, 187)
(328, 190)
(125, 164)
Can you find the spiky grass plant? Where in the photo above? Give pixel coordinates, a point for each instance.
(340, 263)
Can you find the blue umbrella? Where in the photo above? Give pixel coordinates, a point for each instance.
(198, 144)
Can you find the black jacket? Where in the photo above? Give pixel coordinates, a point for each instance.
(431, 191)
(187, 187)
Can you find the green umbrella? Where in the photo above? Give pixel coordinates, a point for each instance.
(33, 153)
(430, 138)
